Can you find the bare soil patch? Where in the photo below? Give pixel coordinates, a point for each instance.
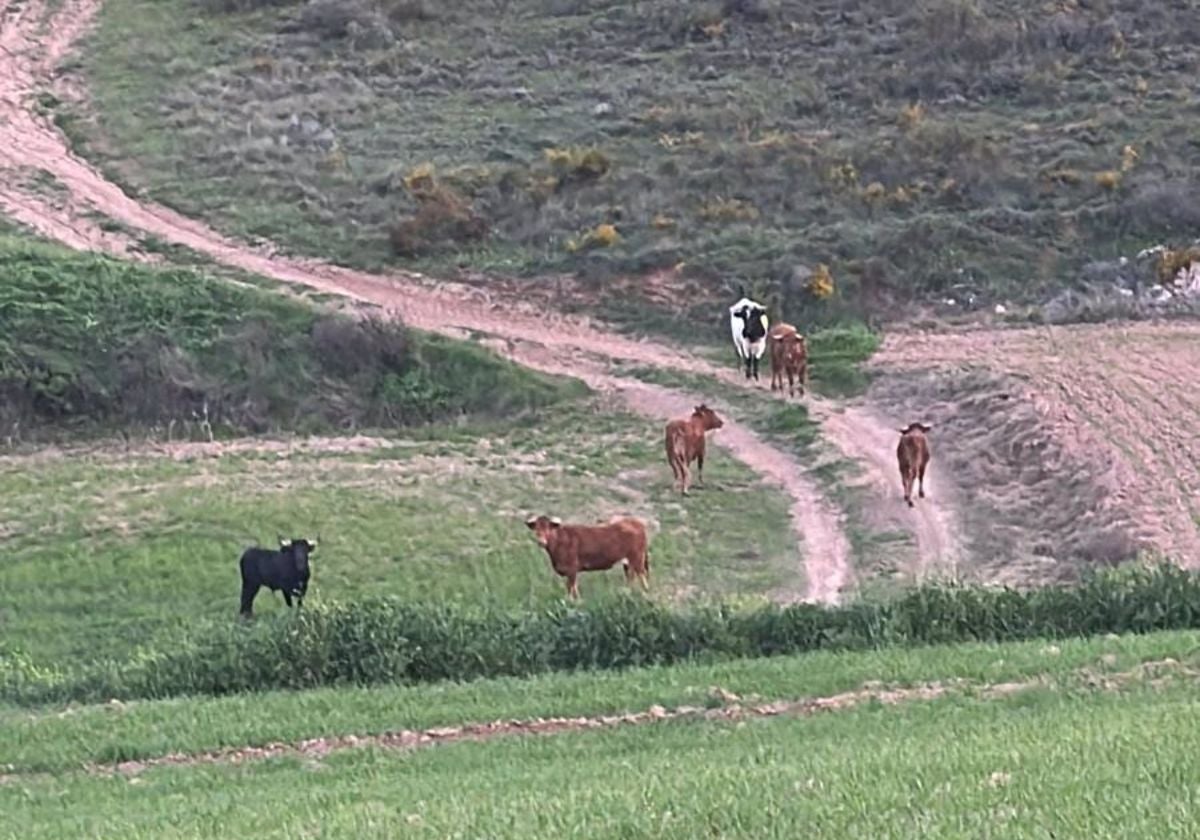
(1074, 442)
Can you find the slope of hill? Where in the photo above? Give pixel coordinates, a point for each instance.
(94, 342)
(947, 148)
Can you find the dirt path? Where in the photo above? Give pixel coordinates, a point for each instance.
(32, 42)
(857, 429)
(1120, 397)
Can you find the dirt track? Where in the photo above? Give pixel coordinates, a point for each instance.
(32, 42)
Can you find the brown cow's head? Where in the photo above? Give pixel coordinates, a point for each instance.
(708, 417)
(917, 427)
(544, 528)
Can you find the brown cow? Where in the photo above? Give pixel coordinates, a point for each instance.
(593, 548)
(685, 443)
(789, 353)
(913, 455)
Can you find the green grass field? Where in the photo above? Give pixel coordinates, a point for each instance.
(1093, 747)
(975, 150)
(104, 552)
(34, 740)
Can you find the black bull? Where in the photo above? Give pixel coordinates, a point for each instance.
(286, 570)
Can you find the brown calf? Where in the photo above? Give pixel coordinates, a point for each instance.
(593, 548)
(913, 455)
(685, 443)
(789, 353)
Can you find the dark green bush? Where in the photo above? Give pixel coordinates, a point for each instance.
(388, 641)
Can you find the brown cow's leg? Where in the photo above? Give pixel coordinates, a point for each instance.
(700, 464)
(921, 479)
(906, 477)
(573, 586)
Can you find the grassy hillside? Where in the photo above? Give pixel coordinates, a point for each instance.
(1063, 749)
(91, 343)
(970, 149)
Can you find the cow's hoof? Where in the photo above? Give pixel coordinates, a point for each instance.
(910, 502)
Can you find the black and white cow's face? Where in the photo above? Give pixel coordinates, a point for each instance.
(752, 318)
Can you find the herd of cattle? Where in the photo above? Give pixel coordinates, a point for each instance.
(573, 549)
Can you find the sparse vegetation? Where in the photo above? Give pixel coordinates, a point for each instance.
(927, 151)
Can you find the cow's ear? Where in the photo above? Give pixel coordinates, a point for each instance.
(555, 521)
(904, 431)
(531, 521)
(926, 428)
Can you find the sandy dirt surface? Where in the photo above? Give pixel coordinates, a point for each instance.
(1121, 398)
(32, 42)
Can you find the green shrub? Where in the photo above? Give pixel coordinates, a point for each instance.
(386, 640)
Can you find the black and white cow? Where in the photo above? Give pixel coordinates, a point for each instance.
(286, 570)
(748, 323)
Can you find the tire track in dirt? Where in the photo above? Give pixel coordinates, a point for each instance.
(28, 141)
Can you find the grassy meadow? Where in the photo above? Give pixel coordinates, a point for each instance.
(47, 740)
(108, 550)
